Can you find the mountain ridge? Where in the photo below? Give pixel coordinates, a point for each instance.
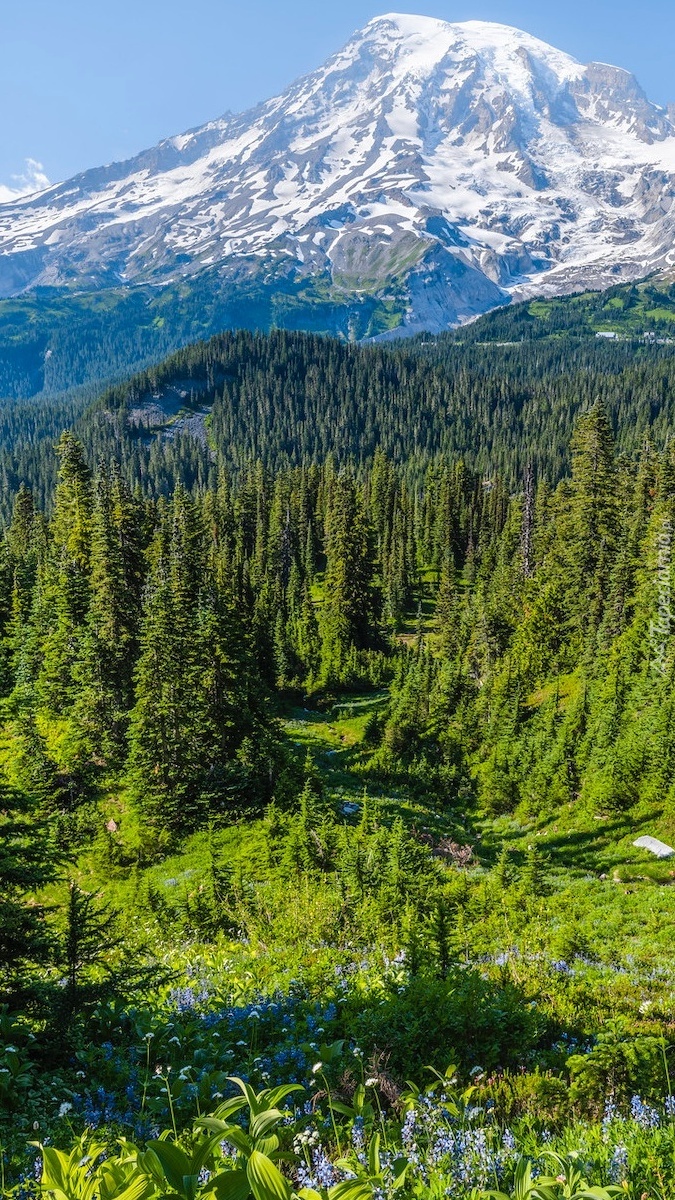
(437, 169)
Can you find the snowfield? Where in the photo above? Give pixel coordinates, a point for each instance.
(459, 164)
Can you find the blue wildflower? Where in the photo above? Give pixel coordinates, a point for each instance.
(618, 1165)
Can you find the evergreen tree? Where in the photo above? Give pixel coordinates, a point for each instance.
(87, 943)
(594, 512)
(196, 729)
(64, 592)
(109, 641)
(532, 876)
(28, 861)
(441, 932)
(347, 613)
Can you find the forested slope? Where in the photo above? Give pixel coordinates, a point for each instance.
(545, 681)
(288, 399)
(55, 339)
(627, 311)
(324, 739)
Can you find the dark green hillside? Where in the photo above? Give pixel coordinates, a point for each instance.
(629, 310)
(53, 340)
(293, 398)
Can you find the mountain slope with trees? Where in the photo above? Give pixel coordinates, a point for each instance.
(308, 754)
(148, 635)
(289, 399)
(626, 311)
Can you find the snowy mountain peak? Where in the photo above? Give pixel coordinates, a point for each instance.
(422, 47)
(438, 167)
(488, 37)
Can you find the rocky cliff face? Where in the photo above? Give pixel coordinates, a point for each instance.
(441, 168)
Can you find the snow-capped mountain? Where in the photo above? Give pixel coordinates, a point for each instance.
(443, 166)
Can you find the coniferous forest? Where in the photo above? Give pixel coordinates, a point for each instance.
(337, 684)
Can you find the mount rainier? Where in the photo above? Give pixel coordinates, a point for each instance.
(430, 170)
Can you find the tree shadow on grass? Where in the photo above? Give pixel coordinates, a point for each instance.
(594, 849)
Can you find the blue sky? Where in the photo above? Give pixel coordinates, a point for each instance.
(84, 82)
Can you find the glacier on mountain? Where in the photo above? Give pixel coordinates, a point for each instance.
(452, 166)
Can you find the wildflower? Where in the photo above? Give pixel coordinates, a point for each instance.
(316, 1068)
(371, 1082)
(645, 1116)
(306, 1138)
(64, 1108)
(670, 1106)
(408, 1126)
(618, 1165)
(608, 1117)
(321, 1174)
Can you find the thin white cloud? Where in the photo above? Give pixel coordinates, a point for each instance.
(31, 179)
